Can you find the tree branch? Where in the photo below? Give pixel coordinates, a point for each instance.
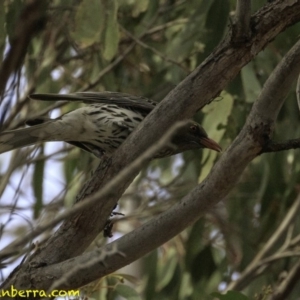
(281, 146)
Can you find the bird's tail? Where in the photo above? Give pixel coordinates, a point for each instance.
(14, 139)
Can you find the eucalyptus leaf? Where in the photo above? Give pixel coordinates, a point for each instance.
(88, 23)
(140, 7)
(216, 115)
(230, 295)
(251, 84)
(127, 292)
(38, 182)
(166, 269)
(111, 34)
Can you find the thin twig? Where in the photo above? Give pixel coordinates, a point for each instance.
(166, 25)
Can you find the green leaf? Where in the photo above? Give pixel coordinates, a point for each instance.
(251, 84)
(193, 247)
(166, 268)
(38, 179)
(147, 17)
(128, 277)
(127, 292)
(186, 287)
(88, 22)
(216, 115)
(2, 29)
(203, 265)
(230, 295)
(111, 38)
(139, 7)
(150, 264)
(70, 166)
(215, 27)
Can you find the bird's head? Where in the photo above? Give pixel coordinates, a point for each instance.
(193, 136)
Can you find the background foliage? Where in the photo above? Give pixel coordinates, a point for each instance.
(145, 48)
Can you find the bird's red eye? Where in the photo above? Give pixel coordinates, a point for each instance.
(193, 127)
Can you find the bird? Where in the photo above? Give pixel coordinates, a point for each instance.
(101, 126)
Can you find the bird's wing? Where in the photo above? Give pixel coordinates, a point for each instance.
(120, 99)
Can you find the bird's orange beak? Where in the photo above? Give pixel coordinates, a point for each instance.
(210, 144)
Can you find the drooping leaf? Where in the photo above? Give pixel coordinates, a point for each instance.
(251, 84)
(127, 292)
(111, 34)
(166, 269)
(38, 183)
(88, 22)
(2, 29)
(203, 264)
(214, 122)
(139, 7)
(230, 295)
(193, 247)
